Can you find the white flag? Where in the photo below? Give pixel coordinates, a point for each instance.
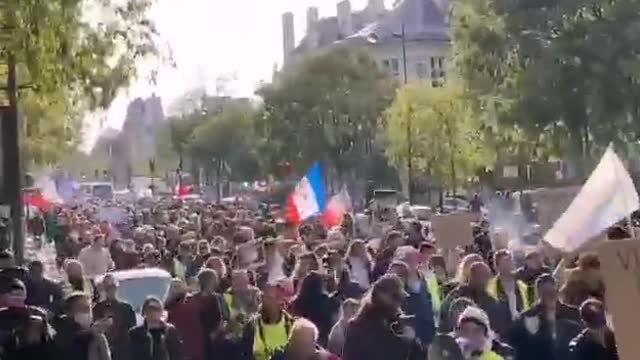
(607, 197)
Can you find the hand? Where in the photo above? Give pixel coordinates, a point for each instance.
(102, 325)
(407, 334)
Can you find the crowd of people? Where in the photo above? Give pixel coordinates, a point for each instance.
(246, 286)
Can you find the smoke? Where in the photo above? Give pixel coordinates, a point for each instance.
(47, 186)
(505, 215)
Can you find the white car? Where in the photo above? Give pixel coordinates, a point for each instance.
(136, 285)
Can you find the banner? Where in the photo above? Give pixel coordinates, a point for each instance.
(453, 230)
(620, 261)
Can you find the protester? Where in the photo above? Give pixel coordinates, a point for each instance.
(78, 337)
(95, 258)
(303, 344)
(380, 331)
(119, 312)
(584, 282)
(545, 330)
(269, 332)
(312, 302)
(597, 341)
(154, 339)
(533, 267)
(512, 295)
(419, 302)
(360, 264)
(75, 279)
(476, 290)
(348, 310)
(41, 291)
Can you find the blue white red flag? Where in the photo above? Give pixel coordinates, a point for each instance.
(309, 197)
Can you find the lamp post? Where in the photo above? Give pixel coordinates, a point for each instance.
(373, 38)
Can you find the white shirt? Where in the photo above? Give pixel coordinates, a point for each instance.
(95, 262)
(360, 272)
(512, 299)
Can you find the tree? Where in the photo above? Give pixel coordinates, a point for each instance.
(224, 143)
(563, 72)
(325, 109)
(75, 55)
(447, 139)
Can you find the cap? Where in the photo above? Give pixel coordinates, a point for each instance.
(389, 284)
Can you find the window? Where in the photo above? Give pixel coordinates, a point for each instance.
(395, 67)
(386, 65)
(438, 72)
(421, 70)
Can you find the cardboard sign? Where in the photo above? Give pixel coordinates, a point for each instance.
(453, 230)
(500, 239)
(620, 261)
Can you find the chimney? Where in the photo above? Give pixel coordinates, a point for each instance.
(312, 29)
(345, 20)
(288, 36)
(376, 7)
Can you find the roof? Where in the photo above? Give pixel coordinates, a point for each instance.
(433, 25)
(422, 19)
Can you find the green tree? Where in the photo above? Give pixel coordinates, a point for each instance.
(563, 72)
(75, 55)
(446, 136)
(325, 109)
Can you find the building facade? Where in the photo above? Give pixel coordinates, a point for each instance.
(378, 31)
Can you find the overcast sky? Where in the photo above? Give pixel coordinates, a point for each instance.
(213, 37)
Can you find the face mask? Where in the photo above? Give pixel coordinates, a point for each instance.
(83, 319)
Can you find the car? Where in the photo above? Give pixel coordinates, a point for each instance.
(136, 285)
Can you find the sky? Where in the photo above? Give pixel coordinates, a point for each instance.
(209, 38)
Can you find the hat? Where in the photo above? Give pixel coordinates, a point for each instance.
(476, 315)
(389, 284)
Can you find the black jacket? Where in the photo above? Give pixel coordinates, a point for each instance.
(584, 347)
(45, 294)
(541, 344)
(369, 336)
(124, 318)
(155, 344)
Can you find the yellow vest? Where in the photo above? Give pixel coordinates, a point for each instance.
(435, 291)
(270, 338)
(490, 355)
(228, 298)
(492, 290)
(179, 270)
(87, 285)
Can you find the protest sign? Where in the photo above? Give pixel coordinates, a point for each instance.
(500, 239)
(620, 261)
(453, 230)
(113, 215)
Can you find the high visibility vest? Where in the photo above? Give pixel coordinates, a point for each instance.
(180, 270)
(523, 290)
(491, 355)
(87, 286)
(270, 338)
(228, 297)
(435, 291)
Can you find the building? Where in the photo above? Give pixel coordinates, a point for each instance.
(378, 30)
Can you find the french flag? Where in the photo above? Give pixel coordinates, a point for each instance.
(338, 207)
(309, 197)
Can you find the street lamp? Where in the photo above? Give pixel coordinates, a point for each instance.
(373, 38)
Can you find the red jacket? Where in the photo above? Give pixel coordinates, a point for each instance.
(195, 318)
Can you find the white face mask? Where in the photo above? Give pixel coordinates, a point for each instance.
(84, 319)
